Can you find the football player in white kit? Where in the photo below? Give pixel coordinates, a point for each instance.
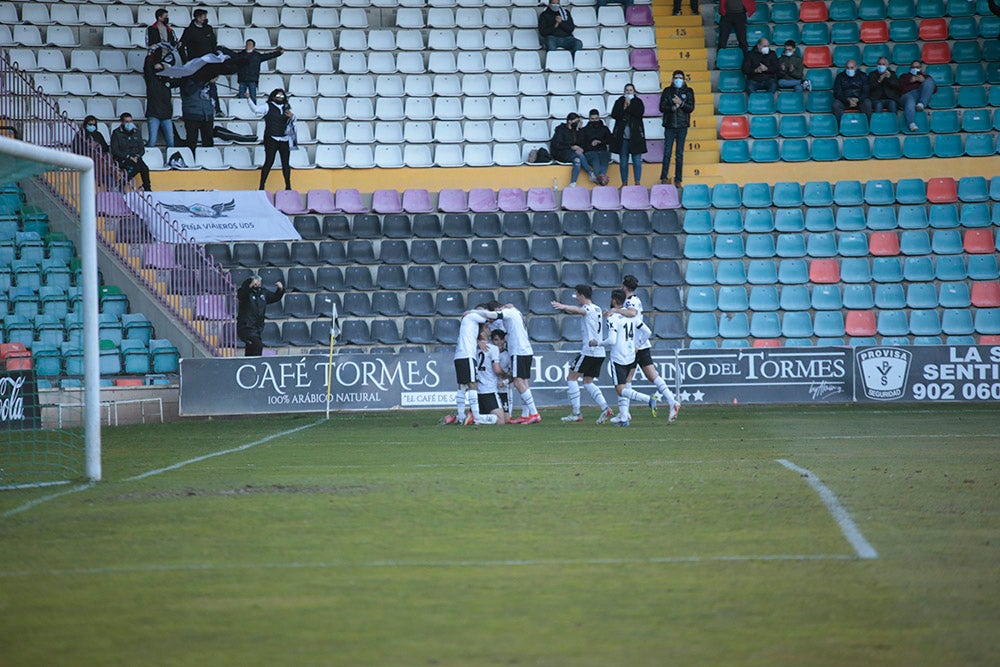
(465, 363)
(488, 374)
(644, 358)
(499, 338)
(522, 356)
(621, 341)
(591, 358)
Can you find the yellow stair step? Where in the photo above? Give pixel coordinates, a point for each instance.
(680, 42)
(701, 157)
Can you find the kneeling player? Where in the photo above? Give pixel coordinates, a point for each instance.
(465, 363)
(488, 373)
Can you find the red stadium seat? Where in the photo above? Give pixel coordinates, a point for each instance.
(127, 382)
(874, 32)
(883, 244)
(18, 361)
(991, 339)
(11, 350)
(767, 342)
(978, 241)
(734, 127)
(813, 12)
(817, 56)
(860, 323)
(942, 190)
(933, 30)
(936, 53)
(986, 295)
(824, 271)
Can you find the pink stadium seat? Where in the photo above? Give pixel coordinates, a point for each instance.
(635, 198)
(484, 200)
(936, 53)
(576, 199)
(883, 244)
(978, 241)
(211, 307)
(512, 200)
(159, 256)
(824, 271)
(734, 127)
(387, 201)
(874, 32)
(639, 15)
(985, 295)
(349, 201)
(651, 104)
(606, 198)
(643, 59)
(321, 202)
(817, 56)
(813, 12)
(860, 323)
(417, 200)
(654, 151)
(453, 200)
(767, 342)
(942, 190)
(127, 382)
(664, 197)
(933, 30)
(542, 199)
(289, 202)
(989, 339)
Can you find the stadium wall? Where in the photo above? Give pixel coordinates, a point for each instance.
(260, 385)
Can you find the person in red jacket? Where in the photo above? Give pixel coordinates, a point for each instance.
(733, 16)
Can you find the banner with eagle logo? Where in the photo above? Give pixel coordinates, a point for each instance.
(215, 216)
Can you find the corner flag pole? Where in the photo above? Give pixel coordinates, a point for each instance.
(329, 360)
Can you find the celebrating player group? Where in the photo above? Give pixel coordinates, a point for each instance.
(493, 352)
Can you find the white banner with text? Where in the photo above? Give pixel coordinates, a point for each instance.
(218, 215)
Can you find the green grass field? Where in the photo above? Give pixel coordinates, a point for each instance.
(385, 539)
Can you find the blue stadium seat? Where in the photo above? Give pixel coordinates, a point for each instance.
(699, 247)
(761, 103)
(765, 150)
(829, 325)
(819, 220)
(957, 322)
(820, 101)
(915, 242)
(823, 125)
(666, 247)
(987, 321)
(702, 325)
(787, 194)
(731, 272)
(855, 270)
(794, 297)
(881, 218)
(790, 245)
(945, 242)
(911, 191)
(943, 75)
(734, 325)
(763, 127)
(893, 323)
(925, 323)
(726, 195)
(701, 299)
(945, 122)
(971, 97)
(796, 325)
(852, 244)
(700, 272)
(905, 53)
(918, 269)
(857, 148)
(818, 193)
(729, 59)
(879, 192)
(727, 221)
(950, 268)
(825, 150)
(792, 126)
(795, 150)
(785, 12)
(789, 220)
(921, 295)
(729, 246)
(732, 82)
(818, 245)
(735, 151)
(757, 195)
(793, 272)
(973, 189)
(917, 147)
(968, 51)
(698, 222)
(944, 216)
(976, 215)
(765, 325)
(758, 221)
(886, 270)
(544, 276)
(980, 145)
(732, 104)
(763, 298)
(762, 272)
(760, 246)
(858, 297)
(884, 123)
(695, 195)
(943, 98)
(890, 296)
(827, 297)
(848, 193)
(887, 148)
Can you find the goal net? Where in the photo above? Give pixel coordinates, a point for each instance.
(48, 434)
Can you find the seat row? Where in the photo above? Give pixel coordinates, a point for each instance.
(834, 324)
(853, 270)
(843, 219)
(877, 31)
(736, 298)
(130, 357)
(797, 126)
(859, 148)
(865, 10)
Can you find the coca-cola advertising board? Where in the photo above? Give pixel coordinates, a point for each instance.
(19, 408)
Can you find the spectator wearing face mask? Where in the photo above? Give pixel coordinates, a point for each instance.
(127, 148)
(883, 87)
(850, 91)
(761, 68)
(159, 105)
(915, 88)
(555, 27)
(791, 72)
(676, 105)
(160, 31)
(197, 112)
(629, 135)
(248, 75)
(567, 146)
(89, 137)
(279, 134)
(596, 138)
(199, 39)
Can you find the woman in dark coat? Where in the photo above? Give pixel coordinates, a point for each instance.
(253, 300)
(629, 135)
(278, 134)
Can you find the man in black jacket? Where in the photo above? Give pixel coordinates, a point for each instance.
(760, 66)
(127, 149)
(159, 108)
(595, 137)
(253, 300)
(555, 27)
(676, 105)
(160, 30)
(198, 40)
(566, 147)
(248, 75)
(850, 91)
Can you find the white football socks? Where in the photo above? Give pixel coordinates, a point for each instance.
(573, 389)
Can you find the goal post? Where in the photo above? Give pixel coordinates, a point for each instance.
(20, 160)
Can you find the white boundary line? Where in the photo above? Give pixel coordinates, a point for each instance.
(531, 562)
(840, 515)
(38, 501)
(175, 466)
(33, 485)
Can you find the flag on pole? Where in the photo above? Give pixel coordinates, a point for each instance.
(334, 332)
(334, 322)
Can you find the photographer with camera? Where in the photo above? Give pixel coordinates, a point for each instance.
(253, 300)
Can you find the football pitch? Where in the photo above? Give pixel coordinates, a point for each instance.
(737, 536)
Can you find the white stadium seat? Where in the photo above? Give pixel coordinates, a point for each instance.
(448, 108)
(360, 85)
(503, 84)
(419, 85)
(389, 85)
(360, 108)
(417, 155)
(418, 133)
(409, 18)
(360, 133)
(448, 155)
(470, 40)
(292, 39)
(611, 15)
(410, 40)
(497, 19)
(418, 108)
(477, 108)
(441, 40)
(330, 157)
(477, 131)
(507, 155)
(448, 132)
(389, 108)
(478, 155)
(292, 62)
(319, 63)
(237, 157)
(499, 62)
(332, 85)
(505, 108)
(354, 18)
(330, 133)
(388, 132)
(441, 18)
(466, 17)
(382, 62)
(325, 18)
(389, 157)
(209, 158)
(113, 61)
(359, 156)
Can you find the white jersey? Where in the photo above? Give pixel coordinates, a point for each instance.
(485, 375)
(505, 366)
(517, 335)
(468, 334)
(621, 338)
(590, 329)
(642, 341)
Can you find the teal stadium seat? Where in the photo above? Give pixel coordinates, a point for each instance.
(794, 297)
(726, 195)
(976, 120)
(946, 242)
(700, 272)
(698, 222)
(731, 272)
(879, 192)
(734, 325)
(975, 215)
(735, 151)
(921, 295)
(762, 15)
(765, 150)
(903, 30)
(887, 270)
(852, 244)
(758, 221)
(790, 245)
(820, 194)
(943, 74)
(945, 122)
(905, 53)
(823, 125)
(765, 325)
(758, 31)
(989, 26)
(884, 123)
(827, 297)
(973, 189)
(858, 297)
(992, 73)
(763, 127)
(791, 101)
(887, 148)
(702, 325)
(925, 323)
(987, 321)
(816, 34)
(760, 103)
(785, 12)
(960, 8)
(843, 10)
(845, 52)
(763, 298)
(732, 81)
(701, 299)
(957, 322)
(857, 148)
(796, 325)
(819, 79)
(696, 195)
(917, 147)
(829, 326)
(729, 246)
(788, 194)
(848, 193)
(757, 195)
(918, 269)
(729, 59)
(915, 242)
(732, 104)
(963, 27)
(855, 270)
(893, 323)
(784, 32)
(949, 145)
(968, 51)
(944, 98)
(871, 10)
(943, 216)
(911, 191)
(793, 272)
(760, 246)
(819, 220)
(972, 97)
(820, 101)
(854, 125)
(796, 150)
(823, 244)
(930, 8)
(699, 246)
(881, 218)
(845, 33)
(727, 221)
(825, 150)
(872, 52)
(762, 272)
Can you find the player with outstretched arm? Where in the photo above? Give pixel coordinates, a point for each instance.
(465, 363)
(589, 361)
